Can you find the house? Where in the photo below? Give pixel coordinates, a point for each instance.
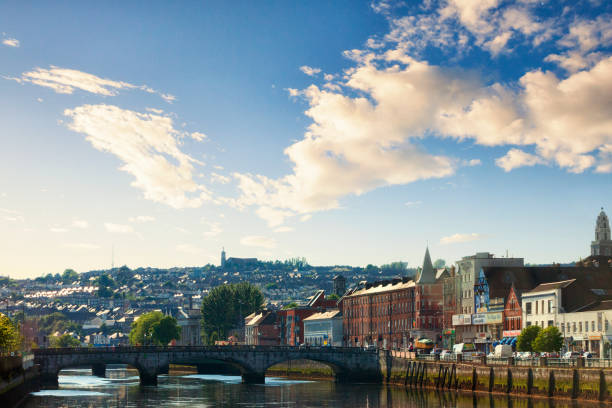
(324, 329)
(261, 328)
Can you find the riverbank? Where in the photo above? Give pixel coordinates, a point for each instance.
(18, 377)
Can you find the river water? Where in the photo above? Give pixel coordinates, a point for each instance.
(120, 388)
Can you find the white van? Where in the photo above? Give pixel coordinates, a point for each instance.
(465, 349)
(503, 351)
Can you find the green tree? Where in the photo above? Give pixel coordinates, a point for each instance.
(65, 340)
(290, 305)
(526, 338)
(548, 340)
(166, 330)
(333, 296)
(226, 306)
(69, 276)
(154, 328)
(395, 268)
(9, 334)
(105, 285)
(439, 263)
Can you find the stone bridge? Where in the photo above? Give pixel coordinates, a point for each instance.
(349, 364)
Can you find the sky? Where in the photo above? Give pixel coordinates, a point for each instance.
(155, 133)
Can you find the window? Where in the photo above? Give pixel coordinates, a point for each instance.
(550, 323)
(592, 325)
(606, 324)
(579, 327)
(562, 327)
(528, 308)
(586, 326)
(550, 306)
(536, 304)
(542, 307)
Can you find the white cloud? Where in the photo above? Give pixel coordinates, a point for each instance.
(11, 215)
(82, 245)
(517, 158)
(305, 217)
(66, 81)
(118, 228)
(40, 100)
(283, 229)
(310, 71)
(219, 178)
(58, 229)
(413, 203)
(274, 217)
(457, 238)
(474, 162)
(142, 219)
(11, 42)
(76, 223)
(147, 144)
(258, 241)
(198, 136)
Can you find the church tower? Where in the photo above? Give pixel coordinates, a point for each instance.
(602, 245)
(427, 274)
(223, 258)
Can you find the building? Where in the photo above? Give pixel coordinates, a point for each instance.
(392, 314)
(189, 321)
(291, 321)
(602, 246)
(324, 329)
(513, 315)
(223, 258)
(261, 329)
(339, 285)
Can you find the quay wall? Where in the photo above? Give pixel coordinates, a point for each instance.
(593, 384)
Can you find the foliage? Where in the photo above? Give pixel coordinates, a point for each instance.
(226, 306)
(333, 296)
(166, 330)
(105, 285)
(299, 263)
(69, 276)
(271, 285)
(65, 340)
(290, 305)
(370, 269)
(395, 268)
(549, 340)
(9, 334)
(154, 328)
(526, 338)
(57, 322)
(439, 263)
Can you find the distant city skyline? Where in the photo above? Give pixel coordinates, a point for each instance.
(346, 132)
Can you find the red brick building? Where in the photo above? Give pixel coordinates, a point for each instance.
(392, 314)
(512, 312)
(261, 329)
(291, 321)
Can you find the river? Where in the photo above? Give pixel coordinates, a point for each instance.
(120, 388)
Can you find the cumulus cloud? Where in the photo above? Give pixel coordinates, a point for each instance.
(310, 71)
(66, 81)
(458, 238)
(274, 217)
(219, 178)
(148, 146)
(283, 229)
(258, 241)
(198, 136)
(517, 158)
(11, 42)
(118, 228)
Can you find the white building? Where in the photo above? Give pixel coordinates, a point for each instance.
(323, 329)
(584, 327)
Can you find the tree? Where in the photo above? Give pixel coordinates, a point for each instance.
(333, 296)
(105, 284)
(290, 305)
(154, 328)
(526, 338)
(9, 334)
(166, 330)
(65, 340)
(226, 306)
(548, 340)
(395, 268)
(69, 276)
(439, 263)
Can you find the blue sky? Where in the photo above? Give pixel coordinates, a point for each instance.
(345, 132)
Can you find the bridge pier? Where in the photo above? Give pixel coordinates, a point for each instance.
(253, 378)
(98, 370)
(147, 377)
(49, 379)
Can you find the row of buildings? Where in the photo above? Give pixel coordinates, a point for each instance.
(482, 299)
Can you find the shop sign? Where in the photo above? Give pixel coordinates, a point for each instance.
(511, 333)
(494, 318)
(462, 319)
(594, 336)
(449, 332)
(479, 318)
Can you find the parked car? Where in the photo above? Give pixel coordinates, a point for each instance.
(587, 354)
(491, 355)
(445, 354)
(435, 351)
(571, 354)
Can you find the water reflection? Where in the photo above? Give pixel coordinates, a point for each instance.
(77, 388)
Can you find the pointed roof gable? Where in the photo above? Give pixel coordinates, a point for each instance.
(427, 274)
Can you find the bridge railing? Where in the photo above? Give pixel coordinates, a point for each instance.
(174, 349)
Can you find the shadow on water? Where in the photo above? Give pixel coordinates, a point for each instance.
(77, 388)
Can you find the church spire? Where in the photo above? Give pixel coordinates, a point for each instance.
(427, 274)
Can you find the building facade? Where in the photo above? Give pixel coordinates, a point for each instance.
(602, 245)
(324, 329)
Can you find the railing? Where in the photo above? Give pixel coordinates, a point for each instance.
(426, 357)
(561, 362)
(498, 361)
(598, 362)
(167, 349)
(528, 362)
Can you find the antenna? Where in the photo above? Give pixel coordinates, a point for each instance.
(113, 257)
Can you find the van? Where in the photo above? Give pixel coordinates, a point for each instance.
(503, 351)
(464, 349)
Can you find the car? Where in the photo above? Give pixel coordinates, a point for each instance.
(445, 354)
(435, 351)
(587, 354)
(571, 354)
(491, 355)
